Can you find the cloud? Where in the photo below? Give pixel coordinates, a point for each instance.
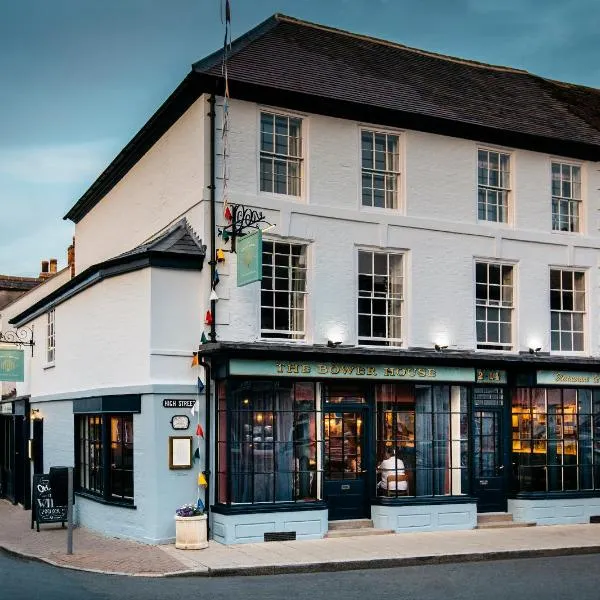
(62, 163)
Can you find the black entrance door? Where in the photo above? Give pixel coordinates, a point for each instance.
(345, 486)
(489, 473)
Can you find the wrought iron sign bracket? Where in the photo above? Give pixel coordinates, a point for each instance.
(242, 219)
(21, 337)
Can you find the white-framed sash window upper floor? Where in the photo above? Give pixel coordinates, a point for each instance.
(283, 290)
(50, 336)
(493, 181)
(280, 154)
(380, 161)
(567, 310)
(566, 197)
(380, 298)
(494, 305)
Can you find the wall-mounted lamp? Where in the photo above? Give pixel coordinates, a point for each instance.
(332, 344)
(439, 348)
(534, 350)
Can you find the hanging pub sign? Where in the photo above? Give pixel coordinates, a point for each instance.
(43, 507)
(249, 258)
(12, 365)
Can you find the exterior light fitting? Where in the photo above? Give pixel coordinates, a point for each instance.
(439, 348)
(534, 350)
(332, 344)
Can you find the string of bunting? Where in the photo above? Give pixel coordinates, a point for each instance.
(200, 386)
(227, 214)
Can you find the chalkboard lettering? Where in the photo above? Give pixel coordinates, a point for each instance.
(43, 509)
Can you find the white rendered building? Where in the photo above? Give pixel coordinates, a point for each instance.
(429, 292)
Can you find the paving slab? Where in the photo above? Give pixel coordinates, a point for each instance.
(97, 553)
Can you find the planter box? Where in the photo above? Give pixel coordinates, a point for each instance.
(191, 533)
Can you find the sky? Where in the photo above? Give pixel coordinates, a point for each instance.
(79, 78)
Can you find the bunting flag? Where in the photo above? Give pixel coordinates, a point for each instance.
(200, 505)
(194, 407)
(199, 431)
(213, 296)
(216, 279)
(200, 385)
(203, 339)
(220, 255)
(226, 235)
(208, 319)
(227, 213)
(195, 360)
(197, 454)
(202, 480)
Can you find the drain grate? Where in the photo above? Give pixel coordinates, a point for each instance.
(280, 536)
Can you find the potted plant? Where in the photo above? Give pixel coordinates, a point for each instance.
(190, 528)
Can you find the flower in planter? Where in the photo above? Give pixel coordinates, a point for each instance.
(189, 510)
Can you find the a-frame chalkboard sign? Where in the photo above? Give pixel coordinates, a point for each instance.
(43, 509)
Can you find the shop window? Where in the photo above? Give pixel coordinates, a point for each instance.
(283, 291)
(380, 298)
(556, 439)
(422, 440)
(267, 443)
(104, 456)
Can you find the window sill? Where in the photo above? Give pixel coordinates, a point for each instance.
(556, 495)
(498, 224)
(49, 365)
(248, 509)
(276, 196)
(100, 500)
(421, 500)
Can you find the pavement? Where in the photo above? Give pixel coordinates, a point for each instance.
(96, 553)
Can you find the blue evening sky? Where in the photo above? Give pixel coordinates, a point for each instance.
(78, 78)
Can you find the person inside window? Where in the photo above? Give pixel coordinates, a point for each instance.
(392, 473)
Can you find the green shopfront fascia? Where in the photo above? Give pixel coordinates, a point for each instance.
(295, 434)
(358, 439)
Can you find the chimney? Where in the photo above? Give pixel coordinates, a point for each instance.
(44, 272)
(53, 265)
(71, 257)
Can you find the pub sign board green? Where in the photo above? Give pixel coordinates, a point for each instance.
(12, 365)
(340, 370)
(249, 258)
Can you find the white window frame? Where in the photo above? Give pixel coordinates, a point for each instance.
(390, 299)
(296, 299)
(563, 315)
(572, 200)
(287, 158)
(50, 336)
(392, 170)
(489, 187)
(490, 304)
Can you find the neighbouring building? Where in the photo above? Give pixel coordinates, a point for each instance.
(14, 426)
(423, 345)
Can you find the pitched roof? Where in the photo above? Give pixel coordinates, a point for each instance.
(178, 247)
(22, 284)
(180, 238)
(286, 53)
(304, 66)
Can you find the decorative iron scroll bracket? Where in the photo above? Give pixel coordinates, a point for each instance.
(22, 337)
(242, 219)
